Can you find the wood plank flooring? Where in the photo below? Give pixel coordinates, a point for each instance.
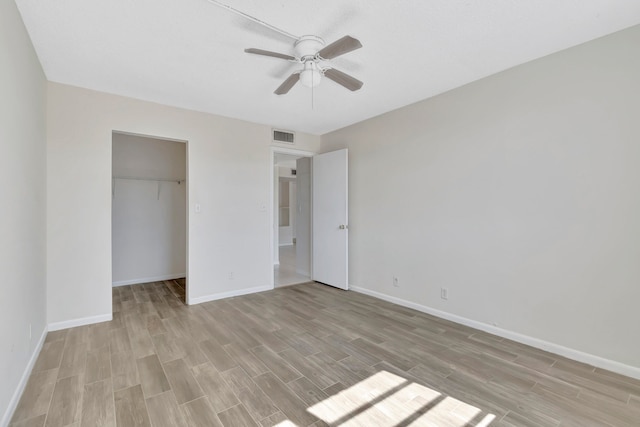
(305, 355)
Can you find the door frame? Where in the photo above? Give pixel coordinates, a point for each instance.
(272, 203)
(186, 207)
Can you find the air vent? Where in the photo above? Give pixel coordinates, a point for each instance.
(283, 136)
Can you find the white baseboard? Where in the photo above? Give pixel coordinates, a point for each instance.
(56, 326)
(147, 280)
(229, 294)
(13, 403)
(590, 359)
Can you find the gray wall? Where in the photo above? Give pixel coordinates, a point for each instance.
(22, 205)
(518, 193)
(228, 176)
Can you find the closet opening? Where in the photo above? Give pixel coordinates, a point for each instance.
(148, 223)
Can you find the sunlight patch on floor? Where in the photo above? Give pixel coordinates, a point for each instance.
(385, 399)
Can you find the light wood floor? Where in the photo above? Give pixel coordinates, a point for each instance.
(305, 355)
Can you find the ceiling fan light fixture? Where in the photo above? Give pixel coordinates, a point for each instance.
(310, 76)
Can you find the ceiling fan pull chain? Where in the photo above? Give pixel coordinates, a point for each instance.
(313, 91)
(251, 18)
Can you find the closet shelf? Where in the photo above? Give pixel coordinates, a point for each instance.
(135, 178)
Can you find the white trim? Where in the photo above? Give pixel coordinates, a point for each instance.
(292, 151)
(144, 135)
(17, 394)
(229, 294)
(590, 359)
(148, 280)
(56, 326)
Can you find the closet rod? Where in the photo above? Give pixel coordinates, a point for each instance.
(179, 181)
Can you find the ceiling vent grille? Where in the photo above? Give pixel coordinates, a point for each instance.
(284, 136)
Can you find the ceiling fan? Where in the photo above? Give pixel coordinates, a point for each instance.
(312, 53)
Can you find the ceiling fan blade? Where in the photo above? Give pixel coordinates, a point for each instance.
(343, 79)
(286, 86)
(269, 53)
(339, 47)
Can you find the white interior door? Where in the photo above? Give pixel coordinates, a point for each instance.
(330, 214)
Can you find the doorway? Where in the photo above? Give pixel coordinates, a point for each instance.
(149, 219)
(291, 232)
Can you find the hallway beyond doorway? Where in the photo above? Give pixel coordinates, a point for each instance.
(285, 274)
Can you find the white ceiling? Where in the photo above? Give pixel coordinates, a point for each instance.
(189, 53)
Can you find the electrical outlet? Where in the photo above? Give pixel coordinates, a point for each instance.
(396, 282)
(231, 275)
(444, 293)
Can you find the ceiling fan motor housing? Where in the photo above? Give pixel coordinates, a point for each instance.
(307, 46)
